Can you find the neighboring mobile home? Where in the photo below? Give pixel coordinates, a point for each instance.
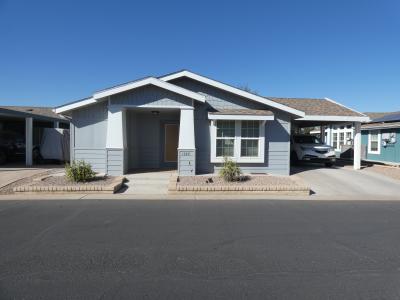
(190, 122)
(381, 139)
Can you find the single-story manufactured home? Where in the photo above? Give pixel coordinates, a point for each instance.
(190, 122)
(381, 139)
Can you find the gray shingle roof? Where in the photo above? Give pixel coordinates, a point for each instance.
(33, 111)
(317, 107)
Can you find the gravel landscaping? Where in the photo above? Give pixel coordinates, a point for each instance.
(9, 189)
(63, 180)
(253, 183)
(258, 180)
(61, 184)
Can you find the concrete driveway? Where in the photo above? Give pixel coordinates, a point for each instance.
(345, 182)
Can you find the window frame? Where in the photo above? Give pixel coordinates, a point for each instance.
(237, 143)
(379, 141)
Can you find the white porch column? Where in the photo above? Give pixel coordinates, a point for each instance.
(328, 135)
(186, 146)
(357, 145)
(116, 141)
(28, 141)
(56, 124)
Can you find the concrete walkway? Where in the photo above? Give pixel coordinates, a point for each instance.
(148, 183)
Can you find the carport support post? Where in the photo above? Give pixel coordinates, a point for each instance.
(28, 141)
(357, 146)
(322, 133)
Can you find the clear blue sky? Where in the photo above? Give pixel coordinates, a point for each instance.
(54, 52)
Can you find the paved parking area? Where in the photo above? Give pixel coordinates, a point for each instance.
(344, 181)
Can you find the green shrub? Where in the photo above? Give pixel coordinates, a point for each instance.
(230, 171)
(79, 171)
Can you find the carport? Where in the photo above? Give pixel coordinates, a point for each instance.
(28, 121)
(326, 112)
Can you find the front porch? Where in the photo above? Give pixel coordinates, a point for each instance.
(150, 138)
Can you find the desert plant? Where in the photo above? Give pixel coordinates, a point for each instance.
(230, 170)
(79, 171)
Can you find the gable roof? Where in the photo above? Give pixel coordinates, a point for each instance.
(233, 90)
(98, 96)
(43, 113)
(321, 109)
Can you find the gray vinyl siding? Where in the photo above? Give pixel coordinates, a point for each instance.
(115, 161)
(88, 136)
(151, 96)
(90, 124)
(277, 132)
(95, 157)
(217, 98)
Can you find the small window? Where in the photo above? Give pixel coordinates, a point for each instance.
(348, 138)
(341, 140)
(374, 142)
(335, 140)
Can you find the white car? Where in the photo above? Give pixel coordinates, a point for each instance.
(310, 148)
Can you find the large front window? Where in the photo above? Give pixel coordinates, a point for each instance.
(241, 140)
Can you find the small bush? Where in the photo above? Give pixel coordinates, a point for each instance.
(79, 171)
(230, 171)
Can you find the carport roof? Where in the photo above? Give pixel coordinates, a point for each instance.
(319, 107)
(326, 109)
(41, 113)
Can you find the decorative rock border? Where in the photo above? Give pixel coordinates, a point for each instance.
(111, 188)
(299, 189)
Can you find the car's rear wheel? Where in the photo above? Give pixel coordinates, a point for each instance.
(329, 164)
(3, 157)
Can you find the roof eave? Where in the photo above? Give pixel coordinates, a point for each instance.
(362, 119)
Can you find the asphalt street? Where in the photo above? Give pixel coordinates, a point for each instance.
(125, 249)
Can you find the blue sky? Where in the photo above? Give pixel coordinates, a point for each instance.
(54, 52)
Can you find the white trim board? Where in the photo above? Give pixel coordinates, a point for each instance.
(149, 81)
(240, 117)
(100, 96)
(75, 105)
(233, 90)
(334, 118)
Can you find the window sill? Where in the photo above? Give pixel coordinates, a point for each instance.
(255, 160)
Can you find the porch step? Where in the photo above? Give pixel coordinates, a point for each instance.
(148, 183)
